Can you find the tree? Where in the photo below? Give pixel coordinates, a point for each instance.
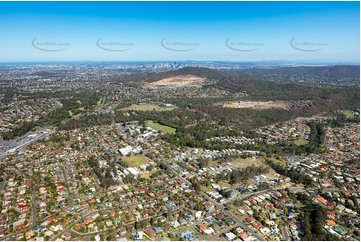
(203, 162)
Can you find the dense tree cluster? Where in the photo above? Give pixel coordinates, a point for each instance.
(317, 138)
(103, 174)
(242, 175)
(19, 131)
(298, 177)
(313, 221)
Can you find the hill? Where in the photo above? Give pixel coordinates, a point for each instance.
(141, 79)
(338, 71)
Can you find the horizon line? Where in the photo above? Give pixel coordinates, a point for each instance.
(357, 62)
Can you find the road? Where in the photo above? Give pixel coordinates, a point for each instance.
(221, 207)
(71, 204)
(39, 136)
(68, 229)
(34, 205)
(13, 235)
(216, 236)
(92, 233)
(243, 196)
(2, 184)
(235, 218)
(40, 133)
(285, 233)
(239, 222)
(184, 228)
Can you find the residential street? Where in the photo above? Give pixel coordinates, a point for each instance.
(2, 184)
(34, 205)
(285, 233)
(70, 196)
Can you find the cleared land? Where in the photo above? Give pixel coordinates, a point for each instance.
(161, 127)
(142, 107)
(277, 161)
(261, 105)
(242, 163)
(348, 114)
(149, 107)
(167, 108)
(256, 105)
(212, 163)
(300, 142)
(178, 81)
(135, 160)
(146, 174)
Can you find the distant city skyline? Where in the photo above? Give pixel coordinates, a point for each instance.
(180, 31)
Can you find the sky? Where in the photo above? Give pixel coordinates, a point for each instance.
(202, 31)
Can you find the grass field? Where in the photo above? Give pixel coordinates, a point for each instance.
(146, 174)
(142, 107)
(223, 184)
(168, 108)
(77, 111)
(135, 160)
(300, 142)
(149, 107)
(242, 163)
(212, 163)
(348, 114)
(276, 161)
(206, 189)
(191, 124)
(161, 127)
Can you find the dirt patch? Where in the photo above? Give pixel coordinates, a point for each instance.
(243, 163)
(288, 105)
(146, 174)
(177, 81)
(256, 105)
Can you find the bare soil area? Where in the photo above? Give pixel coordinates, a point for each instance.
(260, 105)
(178, 81)
(257, 105)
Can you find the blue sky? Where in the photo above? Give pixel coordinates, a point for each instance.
(31, 31)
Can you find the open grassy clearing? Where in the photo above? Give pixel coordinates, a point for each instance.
(277, 161)
(142, 107)
(135, 160)
(242, 163)
(149, 107)
(348, 114)
(161, 127)
(167, 108)
(76, 111)
(147, 174)
(255, 104)
(300, 142)
(206, 189)
(212, 163)
(191, 124)
(224, 184)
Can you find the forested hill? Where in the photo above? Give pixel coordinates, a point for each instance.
(261, 88)
(308, 74)
(338, 71)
